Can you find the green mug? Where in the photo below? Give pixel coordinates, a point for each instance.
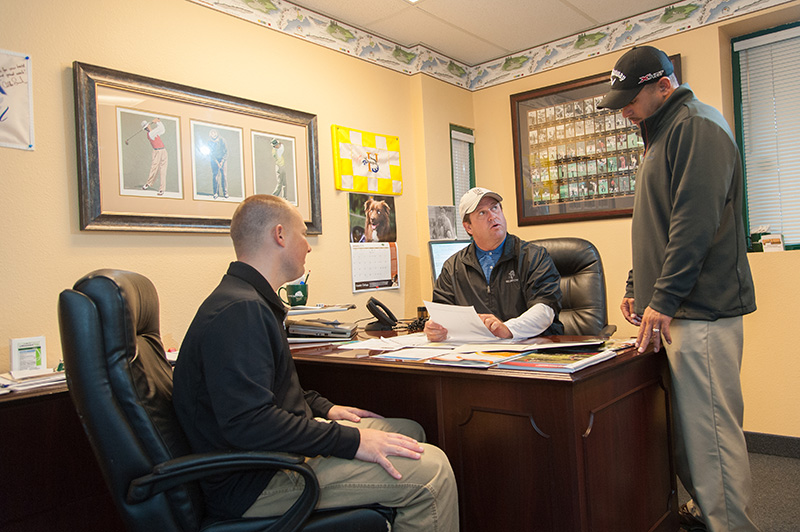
(297, 294)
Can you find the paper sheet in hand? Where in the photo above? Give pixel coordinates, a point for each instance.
(462, 323)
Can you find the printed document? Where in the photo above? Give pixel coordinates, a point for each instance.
(462, 323)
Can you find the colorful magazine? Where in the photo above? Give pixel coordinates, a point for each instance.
(479, 359)
(557, 360)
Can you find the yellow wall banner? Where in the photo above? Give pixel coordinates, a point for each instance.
(366, 162)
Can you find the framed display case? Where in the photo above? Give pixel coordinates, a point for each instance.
(572, 160)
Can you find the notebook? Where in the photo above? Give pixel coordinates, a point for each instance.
(320, 327)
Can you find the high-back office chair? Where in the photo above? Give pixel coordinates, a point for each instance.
(583, 286)
(121, 384)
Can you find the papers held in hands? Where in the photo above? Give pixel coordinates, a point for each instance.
(462, 323)
(320, 328)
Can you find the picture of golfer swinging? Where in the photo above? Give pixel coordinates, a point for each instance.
(149, 154)
(274, 165)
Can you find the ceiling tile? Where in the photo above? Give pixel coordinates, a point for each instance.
(360, 13)
(477, 31)
(609, 11)
(511, 24)
(414, 27)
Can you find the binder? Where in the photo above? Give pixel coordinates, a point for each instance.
(320, 327)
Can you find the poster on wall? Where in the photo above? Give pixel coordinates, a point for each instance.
(441, 222)
(372, 218)
(366, 162)
(16, 101)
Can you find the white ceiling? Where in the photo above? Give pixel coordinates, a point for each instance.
(476, 31)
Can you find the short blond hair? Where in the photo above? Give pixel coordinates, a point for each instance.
(255, 216)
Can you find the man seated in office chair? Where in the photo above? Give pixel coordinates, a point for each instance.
(513, 285)
(236, 387)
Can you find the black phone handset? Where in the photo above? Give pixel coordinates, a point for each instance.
(386, 320)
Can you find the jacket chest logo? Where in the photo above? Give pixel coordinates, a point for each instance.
(512, 277)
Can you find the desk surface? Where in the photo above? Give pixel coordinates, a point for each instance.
(331, 355)
(587, 451)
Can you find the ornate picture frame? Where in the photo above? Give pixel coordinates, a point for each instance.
(158, 156)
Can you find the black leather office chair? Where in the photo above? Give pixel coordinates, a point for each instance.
(121, 384)
(583, 286)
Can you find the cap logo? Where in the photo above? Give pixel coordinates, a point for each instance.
(616, 75)
(651, 76)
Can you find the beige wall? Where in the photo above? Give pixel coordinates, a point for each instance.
(43, 251)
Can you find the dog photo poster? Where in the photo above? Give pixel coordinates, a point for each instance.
(372, 218)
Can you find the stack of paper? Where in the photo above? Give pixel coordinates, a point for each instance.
(20, 380)
(390, 343)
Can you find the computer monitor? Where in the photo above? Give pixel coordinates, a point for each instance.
(441, 250)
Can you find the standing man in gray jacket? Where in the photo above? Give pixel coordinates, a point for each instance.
(690, 284)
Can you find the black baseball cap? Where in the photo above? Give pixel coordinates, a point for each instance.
(638, 67)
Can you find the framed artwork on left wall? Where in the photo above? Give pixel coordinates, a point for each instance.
(158, 156)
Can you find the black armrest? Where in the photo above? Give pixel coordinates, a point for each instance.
(608, 331)
(172, 473)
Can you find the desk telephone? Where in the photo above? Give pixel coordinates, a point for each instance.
(385, 319)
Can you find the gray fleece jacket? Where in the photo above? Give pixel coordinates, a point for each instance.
(689, 248)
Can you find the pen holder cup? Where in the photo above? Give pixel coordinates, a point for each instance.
(296, 294)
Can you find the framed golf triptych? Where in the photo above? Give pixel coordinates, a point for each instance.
(158, 156)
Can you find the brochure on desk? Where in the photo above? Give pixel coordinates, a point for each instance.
(547, 357)
(557, 360)
(476, 359)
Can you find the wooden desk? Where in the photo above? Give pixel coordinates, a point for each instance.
(49, 479)
(586, 452)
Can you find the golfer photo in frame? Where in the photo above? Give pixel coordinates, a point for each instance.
(274, 165)
(217, 162)
(149, 154)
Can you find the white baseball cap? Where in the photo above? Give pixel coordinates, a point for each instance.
(469, 201)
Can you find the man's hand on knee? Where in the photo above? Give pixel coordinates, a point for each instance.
(376, 446)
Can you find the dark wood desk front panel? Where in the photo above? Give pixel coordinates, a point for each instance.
(589, 452)
(50, 479)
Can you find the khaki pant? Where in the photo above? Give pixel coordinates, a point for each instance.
(158, 167)
(425, 498)
(710, 450)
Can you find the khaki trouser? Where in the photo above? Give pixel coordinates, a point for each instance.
(710, 450)
(425, 498)
(158, 167)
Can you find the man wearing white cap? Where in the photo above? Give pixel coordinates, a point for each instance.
(690, 283)
(513, 285)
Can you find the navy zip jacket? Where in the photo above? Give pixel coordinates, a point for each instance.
(523, 276)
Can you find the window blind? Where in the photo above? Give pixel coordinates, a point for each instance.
(463, 170)
(770, 130)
